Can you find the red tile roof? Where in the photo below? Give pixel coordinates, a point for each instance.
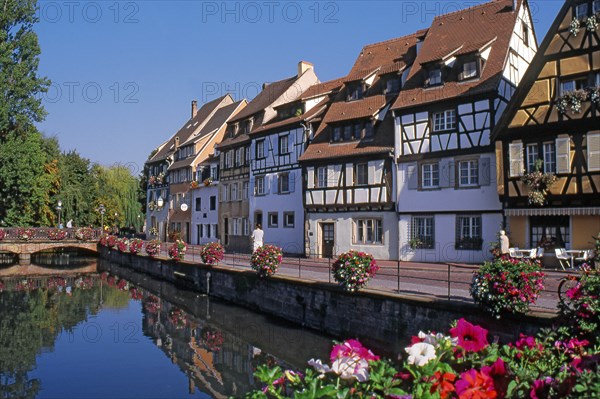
(321, 89)
(462, 32)
(343, 111)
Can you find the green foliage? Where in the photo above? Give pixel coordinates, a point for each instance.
(117, 190)
(581, 309)
(77, 189)
(20, 85)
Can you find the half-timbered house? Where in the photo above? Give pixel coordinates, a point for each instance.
(167, 183)
(553, 127)
(467, 67)
(205, 204)
(348, 167)
(237, 149)
(276, 176)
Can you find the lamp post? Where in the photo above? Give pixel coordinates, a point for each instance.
(102, 210)
(139, 223)
(160, 202)
(59, 210)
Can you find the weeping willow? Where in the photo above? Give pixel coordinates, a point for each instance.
(118, 192)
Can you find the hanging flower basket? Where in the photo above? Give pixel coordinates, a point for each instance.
(177, 251)
(266, 260)
(212, 253)
(538, 185)
(194, 184)
(353, 270)
(574, 27)
(135, 246)
(154, 232)
(208, 181)
(84, 234)
(153, 248)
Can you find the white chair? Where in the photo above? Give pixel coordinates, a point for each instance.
(585, 256)
(512, 252)
(533, 253)
(540, 252)
(562, 256)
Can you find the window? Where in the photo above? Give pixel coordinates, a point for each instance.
(469, 70)
(234, 191)
(435, 77)
(468, 173)
(214, 173)
(356, 92)
(593, 152)
(215, 231)
(229, 159)
(430, 175)
(422, 232)
(525, 34)
(549, 231)
(468, 232)
(322, 177)
(573, 84)
(596, 6)
(392, 86)
(259, 185)
(238, 156)
(549, 157)
(235, 226)
(213, 203)
(245, 190)
(260, 149)
(201, 230)
(198, 204)
(283, 145)
(445, 120)
(283, 183)
(273, 219)
(248, 125)
(581, 10)
(247, 155)
(368, 231)
(348, 132)
(225, 192)
(532, 157)
(207, 230)
(515, 154)
(337, 134)
(245, 227)
(362, 174)
(368, 130)
(288, 219)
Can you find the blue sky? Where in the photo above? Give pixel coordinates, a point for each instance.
(124, 72)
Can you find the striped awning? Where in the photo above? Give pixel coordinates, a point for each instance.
(553, 211)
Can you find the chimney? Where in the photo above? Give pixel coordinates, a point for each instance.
(194, 108)
(304, 66)
(176, 142)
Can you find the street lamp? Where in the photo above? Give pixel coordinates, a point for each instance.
(139, 223)
(59, 209)
(102, 210)
(160, 202)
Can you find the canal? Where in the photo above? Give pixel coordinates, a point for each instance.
(84, 328)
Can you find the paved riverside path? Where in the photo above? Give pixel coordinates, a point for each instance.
(420, 280)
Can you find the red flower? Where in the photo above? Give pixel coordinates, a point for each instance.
(443, 383)
(470, 337)
(497, 371)
(475, 385)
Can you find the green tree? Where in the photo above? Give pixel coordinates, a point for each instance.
(20, 84)
(118, 191)
(77, 189)
(28, 180)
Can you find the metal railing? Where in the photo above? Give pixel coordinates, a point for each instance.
(37, 234)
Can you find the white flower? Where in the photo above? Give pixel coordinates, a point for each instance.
(437, 339)
(420, 354)
(351, 367)
(319, 366)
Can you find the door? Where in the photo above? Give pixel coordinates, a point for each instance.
(327, 239)
(258, 219)
(226, 230)
(187, 233)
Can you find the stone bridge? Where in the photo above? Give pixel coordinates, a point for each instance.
(25, 242)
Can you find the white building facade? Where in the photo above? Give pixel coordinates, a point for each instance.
(205, 204)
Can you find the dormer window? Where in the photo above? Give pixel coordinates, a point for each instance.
(356, 92)
(392, 85)
(232, 130)
(337, 134)
(248, 125)
(469, 70)
(435, 77)
(581, 11)
(350, 131)
(525, 29)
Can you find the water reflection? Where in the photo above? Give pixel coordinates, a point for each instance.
(53, 324)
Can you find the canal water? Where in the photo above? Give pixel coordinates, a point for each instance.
(69, 332)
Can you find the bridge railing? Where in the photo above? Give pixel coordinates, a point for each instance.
(45, 234)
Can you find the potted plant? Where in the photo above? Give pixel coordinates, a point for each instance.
(135, 246)
(212, 253)
(194, 184)
(84, 234)
(57, 234)
(266, 260)
(153, 248)
(415, 243)
(207, 182)
(507, 285)
(353, 270)
(538, 184)
(177, 251)
(25, 234)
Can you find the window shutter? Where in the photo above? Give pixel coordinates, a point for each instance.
(274, 184)
(412, 177)
(310, 174)
(371, 173)
(563, 155)
(593, 152)
(335, 176)
(485, 172)
(515, 155)
(292, 182)
(446, 173)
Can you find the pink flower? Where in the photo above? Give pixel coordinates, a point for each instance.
(475, 385)
(470, 337)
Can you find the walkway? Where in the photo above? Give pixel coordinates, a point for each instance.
(423, 280)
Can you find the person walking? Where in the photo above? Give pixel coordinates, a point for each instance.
(257, 238)
(70, 224)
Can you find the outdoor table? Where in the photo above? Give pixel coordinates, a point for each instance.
(523, 253)
(574, 253)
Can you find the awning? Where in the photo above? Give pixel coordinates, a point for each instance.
(553, 211)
